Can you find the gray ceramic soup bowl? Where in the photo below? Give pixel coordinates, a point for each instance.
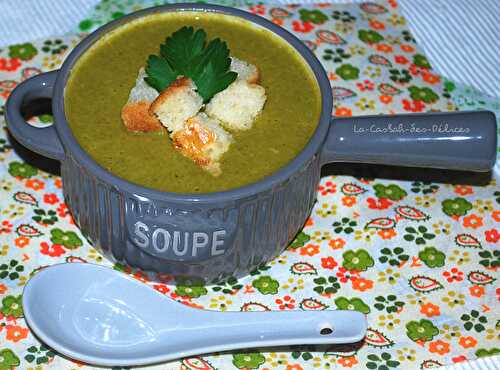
(216, 235)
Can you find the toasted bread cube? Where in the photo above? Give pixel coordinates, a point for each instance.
(238, 105)
(204, 141)
(135, 114)
(245, 71)
(176, 104)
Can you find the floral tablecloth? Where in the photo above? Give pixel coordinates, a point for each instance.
(419, 258)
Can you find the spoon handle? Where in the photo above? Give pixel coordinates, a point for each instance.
(236, 330)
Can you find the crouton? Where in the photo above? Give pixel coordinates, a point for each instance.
(238, 105)
(135, 115)
(245, 71)
(204, 141)
(176, 104)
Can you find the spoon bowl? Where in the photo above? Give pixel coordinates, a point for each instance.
(100, 316)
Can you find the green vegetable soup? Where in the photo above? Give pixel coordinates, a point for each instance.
(101, 80)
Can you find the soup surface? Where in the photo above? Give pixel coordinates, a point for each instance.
(101, 80)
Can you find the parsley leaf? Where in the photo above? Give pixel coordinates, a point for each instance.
(184, 53)
(182, 48)
(160, 75)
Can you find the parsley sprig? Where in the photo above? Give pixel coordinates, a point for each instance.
(186, 53)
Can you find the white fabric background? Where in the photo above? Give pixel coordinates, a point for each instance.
(460, 37)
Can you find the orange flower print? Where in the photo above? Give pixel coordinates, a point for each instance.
(309, 250)
(476, 291)
(439, 346)
(387, 233)
(309, 222)
(385, 99)
(162, 288)
(492, 235)
(303, 27)
(407, 48)
(328, 263)
(401, 59)
(362, 284)
(430, 310)
(463, 189)
(294, 367)
(384, 48)
(9, 64)
(496, 215)
(21, 241)
(278, 21)
(378, 203)
(377, 25)
(336, 243)
(50, 198)
(413, 105)
(473, 221)
(35, 184)
(3, 288)
(58, 183)
(54, 250)
(343, 112)
(393, 3)
(16, 333)
(348, 201)
(347, 361)
(431, 78)
(258, 9)
(467, 342)
(5, 227)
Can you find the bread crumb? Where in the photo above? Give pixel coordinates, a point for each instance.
(176, 104)
(245, 71)
(238, 105)
(203, 141)
(135, 114)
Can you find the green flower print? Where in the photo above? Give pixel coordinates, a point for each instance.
(69, 238)
(394, 256)
(384, 362)
(392, 192)
(421, 330)
(266, 285)
(432, 257)
(389, 303)
(8, 359)
(355, 304)
(456, 207)
(300, 240)
(188, 287)
(23, 51)
(420, 235)
(358, 260)
(85, 25)
(489, 259)
(369, 37)
(22, 170)
(249, 360)
(474, 320)
(423, 93)
(46, 118)
(421, 61)
(347, 72)
(12, 306)
(313, 16)
(40, 355)
(326, 286)
(483, 352)
(11, 270)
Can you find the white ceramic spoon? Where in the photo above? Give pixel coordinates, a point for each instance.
(100, 316)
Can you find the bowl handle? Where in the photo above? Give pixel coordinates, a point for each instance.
(44, 141)
(449, 140)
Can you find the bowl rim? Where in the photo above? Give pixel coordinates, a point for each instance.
(310, 150)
